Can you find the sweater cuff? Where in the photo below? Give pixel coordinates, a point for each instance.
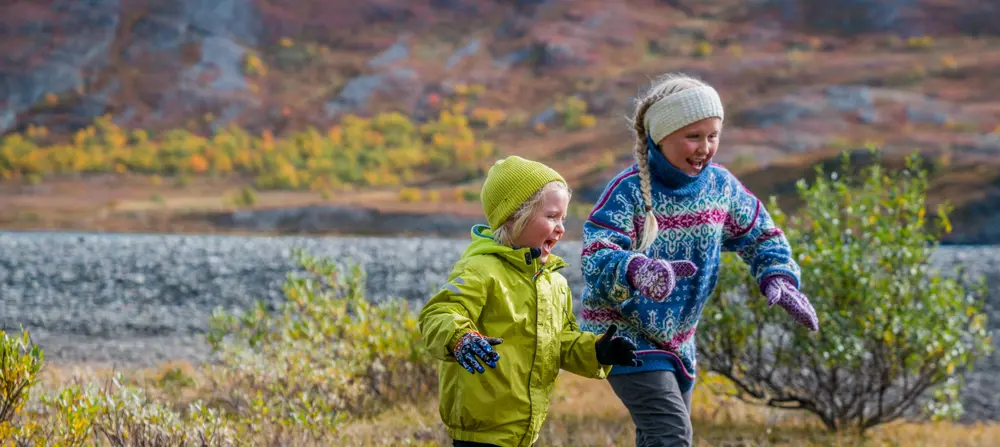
(770, 278)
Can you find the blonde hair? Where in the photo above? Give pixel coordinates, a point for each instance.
(661, 87)
(519, 219)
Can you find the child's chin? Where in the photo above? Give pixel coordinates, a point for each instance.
(545, 255)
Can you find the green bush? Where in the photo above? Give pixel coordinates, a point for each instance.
(469, 195)
(290, 376)
(21, 362)
(572, 111)
(245, 197)
(326, 355)
(894, 333)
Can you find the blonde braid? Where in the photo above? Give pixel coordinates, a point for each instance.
(641, 153)
(664, 86)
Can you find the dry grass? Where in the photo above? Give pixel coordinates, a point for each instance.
(587, 413)
(584, 412)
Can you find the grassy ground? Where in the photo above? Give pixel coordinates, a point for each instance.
(586, 412)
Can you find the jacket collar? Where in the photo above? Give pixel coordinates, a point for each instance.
(523, 259)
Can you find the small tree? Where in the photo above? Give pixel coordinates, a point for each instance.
(20, 366)
(893, 333)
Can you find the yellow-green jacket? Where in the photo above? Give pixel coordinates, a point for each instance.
(529, 305)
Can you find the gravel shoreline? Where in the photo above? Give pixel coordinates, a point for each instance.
(136, 300)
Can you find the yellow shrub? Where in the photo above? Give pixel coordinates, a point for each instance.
(410, 195)
(198, 163)
(382, 150)
(489, 118)
(318, 184)
(920, 43)
(245, 197)
(222, 163)
(36, 132)
(254, 66)
(606, 161)
(944, 158)
(948, 62)
(469, 195)
(702, 49)
(587, 121)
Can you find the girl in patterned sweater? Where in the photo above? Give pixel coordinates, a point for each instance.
(652, 247)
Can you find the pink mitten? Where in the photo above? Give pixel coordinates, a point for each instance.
(779, 290)
(656, 278)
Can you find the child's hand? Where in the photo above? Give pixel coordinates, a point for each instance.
(781, 291)
(656, 278)
(475, 344)
(613, 350)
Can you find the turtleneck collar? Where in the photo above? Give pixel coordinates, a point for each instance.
(667, 174)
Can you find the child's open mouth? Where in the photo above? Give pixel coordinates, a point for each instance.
(548, 245)
(697, 163)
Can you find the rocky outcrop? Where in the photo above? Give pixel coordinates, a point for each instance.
(857, 104)
(144, 61)
(901, 17)
(164, 63)
(160, 63)
(50, 48)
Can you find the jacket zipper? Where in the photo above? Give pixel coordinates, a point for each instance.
(534, 355)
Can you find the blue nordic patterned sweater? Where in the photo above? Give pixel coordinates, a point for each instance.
(698, 217)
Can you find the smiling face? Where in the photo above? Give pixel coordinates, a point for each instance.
(546, 225)
(692, 147)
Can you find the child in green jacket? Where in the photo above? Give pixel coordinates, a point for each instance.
(506, 305)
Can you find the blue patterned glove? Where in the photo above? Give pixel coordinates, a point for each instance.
(474, 344)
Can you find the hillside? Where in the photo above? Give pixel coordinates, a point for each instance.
(472, 80)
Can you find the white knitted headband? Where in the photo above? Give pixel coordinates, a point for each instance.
(680, 109)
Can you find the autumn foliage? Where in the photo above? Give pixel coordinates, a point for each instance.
(385, 150)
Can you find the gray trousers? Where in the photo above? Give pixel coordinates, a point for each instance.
(661, 413)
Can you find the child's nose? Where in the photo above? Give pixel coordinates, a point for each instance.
(703, 147)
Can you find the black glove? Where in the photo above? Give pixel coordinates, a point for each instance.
(475, 344)
(613, 350)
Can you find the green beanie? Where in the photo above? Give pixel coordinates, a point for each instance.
(509, 183)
